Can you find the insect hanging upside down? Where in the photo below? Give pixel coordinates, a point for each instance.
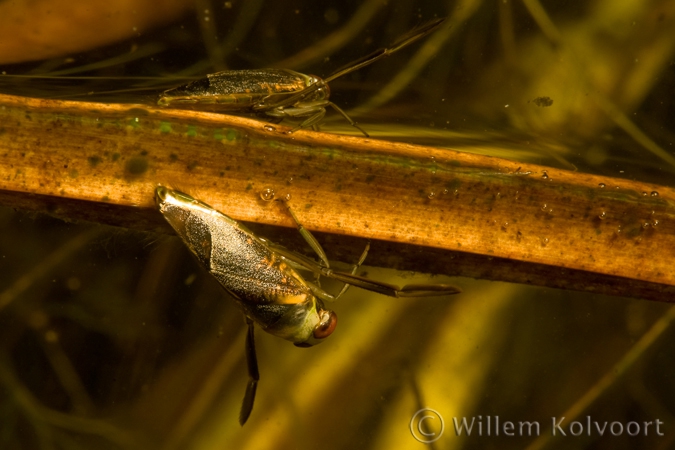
(278, 93)
(264, 277)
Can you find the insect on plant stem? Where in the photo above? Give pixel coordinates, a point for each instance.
(279, 93)
(264, 277)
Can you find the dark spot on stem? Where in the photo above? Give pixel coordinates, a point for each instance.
(137, 166)
(94, 160)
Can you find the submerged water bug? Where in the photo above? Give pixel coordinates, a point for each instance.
(278, 93)
(264, 278)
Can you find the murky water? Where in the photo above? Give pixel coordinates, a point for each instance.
(116, 338)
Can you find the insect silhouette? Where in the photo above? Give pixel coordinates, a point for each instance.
(264, 277)
(278, 93)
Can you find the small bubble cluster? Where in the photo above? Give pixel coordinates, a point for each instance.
(267, 194)
(650, 224)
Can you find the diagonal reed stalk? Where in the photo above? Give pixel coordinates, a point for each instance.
(427, 209)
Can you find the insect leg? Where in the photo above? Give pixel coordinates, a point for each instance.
(274, 118)
(409, 290)
(253, 375)
(318, 108)
(310, 121)
(403, 41)
(323, 295)
(278, 113)
(354, 269)
(350, 279)
(311, 240)
(349, 119)
(318, 111)
(307, 236)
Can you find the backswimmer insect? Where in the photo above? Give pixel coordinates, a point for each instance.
(278, 93)
(264, 277)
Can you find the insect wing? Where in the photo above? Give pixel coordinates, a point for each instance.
(235, 89)
(267, 288)
(240, 261)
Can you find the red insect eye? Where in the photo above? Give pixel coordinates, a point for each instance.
(327, 325)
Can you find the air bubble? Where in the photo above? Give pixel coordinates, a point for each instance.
(655, 194)
(602, 216)
(544, 241)
(545, 175)
(269, 128)
(267, 194)
(287, 197)
(431, 195)
(602, 185)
